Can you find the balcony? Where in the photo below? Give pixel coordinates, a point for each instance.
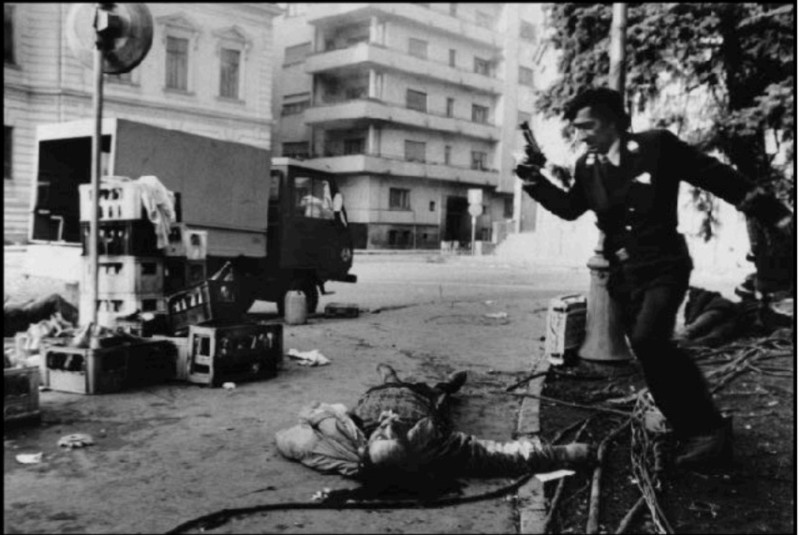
(344, 114)
(331, 14)
(384, 165)
(369, 55)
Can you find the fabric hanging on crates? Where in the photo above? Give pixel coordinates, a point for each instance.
(159, 203)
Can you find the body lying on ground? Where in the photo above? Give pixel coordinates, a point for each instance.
(402, 430)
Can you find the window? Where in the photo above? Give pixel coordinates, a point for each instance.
(415, 151)
(354, 146)
(177, 63)
(432, 206)
(229, 73)
(448, 150)
(525, 76)
(8, 33)
(296, 149)
(123, 78)
(416, 100)
(478, 160)
(508, 207)
(355, 93)
(296, 9)
(451, 102)
(480, 114)
(527, 31)
(453, 9)
(452, 57)
(296, 54)
(484, 20)
(313, 198)
(483, 66)
(418, 48)
(294, 108)
(399, 199)
(8, 134)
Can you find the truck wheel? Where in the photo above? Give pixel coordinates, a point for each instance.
(309, 289)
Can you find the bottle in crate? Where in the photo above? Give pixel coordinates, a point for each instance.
(112, 306)
(186, 242)
(234, 352)
(213, 300)
(128, 238)
(118, 200)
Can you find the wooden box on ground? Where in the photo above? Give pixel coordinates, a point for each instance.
(181, 344)
(566, 325)
(125, 274)
(20, 394)
(210, 301)
(111, 369)
(234, 352)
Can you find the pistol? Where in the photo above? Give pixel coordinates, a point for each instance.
(535, 155)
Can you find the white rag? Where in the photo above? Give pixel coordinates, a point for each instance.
(159, 203)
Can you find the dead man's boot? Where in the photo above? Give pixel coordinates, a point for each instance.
(708, 450)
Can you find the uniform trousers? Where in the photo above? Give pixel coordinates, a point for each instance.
(677, 385)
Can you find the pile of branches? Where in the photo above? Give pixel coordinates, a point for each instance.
(647, 443)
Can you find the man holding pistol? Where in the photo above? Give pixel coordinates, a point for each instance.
(631, 181)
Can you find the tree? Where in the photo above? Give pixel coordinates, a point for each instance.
(740, 56)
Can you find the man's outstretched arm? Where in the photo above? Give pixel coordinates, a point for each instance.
(567, 205)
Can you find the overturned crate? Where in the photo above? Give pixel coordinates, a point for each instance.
(234, 352)
(212, 300)
(109, 369)
(21, 394)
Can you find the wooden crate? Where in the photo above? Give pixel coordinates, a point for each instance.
(566, 325)
(130, 238)
(110, 307)
(119, 200)
(181, 343)
(20, 394)
(210, 301)
(180, 274)
(186, 242)
(125, 274)
(234, 352)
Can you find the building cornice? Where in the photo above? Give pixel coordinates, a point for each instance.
(145, 105)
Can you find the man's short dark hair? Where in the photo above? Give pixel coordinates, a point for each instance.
(605, 102)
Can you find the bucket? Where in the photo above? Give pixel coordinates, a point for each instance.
(296, 308)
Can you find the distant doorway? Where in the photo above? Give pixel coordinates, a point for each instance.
(457, 220)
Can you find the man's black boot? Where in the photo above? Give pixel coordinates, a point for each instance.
(708, 450)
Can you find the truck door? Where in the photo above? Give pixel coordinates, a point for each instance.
(315, 231)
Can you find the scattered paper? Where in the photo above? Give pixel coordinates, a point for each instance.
(29, 458)
(229, 386)
(76, 440)
(309, 358)
(558, 474)
(497, 315)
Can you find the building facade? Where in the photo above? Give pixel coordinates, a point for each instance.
(411, 105)
(208, 72)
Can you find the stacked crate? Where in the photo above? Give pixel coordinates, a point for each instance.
(185, 262)
(130, 266)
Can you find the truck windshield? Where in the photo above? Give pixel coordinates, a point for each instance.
(313, 198)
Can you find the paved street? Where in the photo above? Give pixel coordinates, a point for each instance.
(172, 452)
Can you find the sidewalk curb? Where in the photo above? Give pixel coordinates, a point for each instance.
(532, 503)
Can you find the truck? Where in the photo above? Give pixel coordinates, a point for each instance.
(280, 222)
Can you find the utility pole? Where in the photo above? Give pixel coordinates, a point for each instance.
(605, 335)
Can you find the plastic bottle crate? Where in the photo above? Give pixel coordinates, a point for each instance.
(111, 306)
(234, 352)
(126, 274)
(118, 201)
(20, 394)
(186, 242)
(180, 274)
(210, 301)
(181, 343)
(110, 369)
(129, 238)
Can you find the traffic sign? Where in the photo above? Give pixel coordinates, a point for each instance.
(475, 210)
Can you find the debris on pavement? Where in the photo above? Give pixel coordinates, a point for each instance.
(558, 474)
(309, 358)
(75, 440)
(497, 315)
(229, 386)
(29, 458)
(321, 495)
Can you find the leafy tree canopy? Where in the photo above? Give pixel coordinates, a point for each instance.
(741, 55)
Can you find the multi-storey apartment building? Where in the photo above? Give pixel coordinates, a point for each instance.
(208, 72)
(411, 105)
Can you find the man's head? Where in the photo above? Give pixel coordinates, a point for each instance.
(599, 117)
(388, 445)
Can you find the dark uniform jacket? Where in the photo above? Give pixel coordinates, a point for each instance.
(636, 204)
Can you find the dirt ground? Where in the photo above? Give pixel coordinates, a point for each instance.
(756, 494)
